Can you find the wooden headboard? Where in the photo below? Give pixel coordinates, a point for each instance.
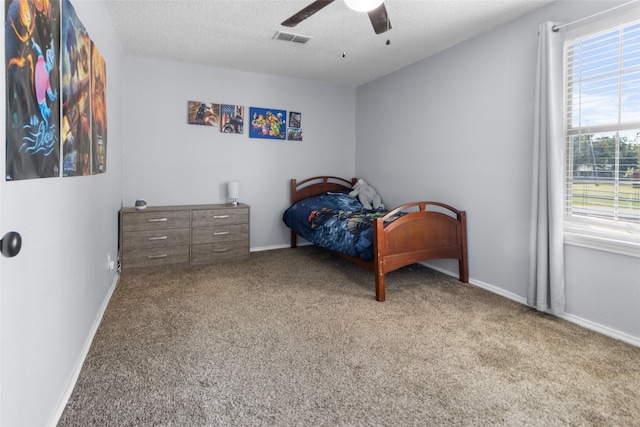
(318, 185)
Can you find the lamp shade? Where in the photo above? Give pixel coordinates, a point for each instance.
(363, 5)
(233, 188)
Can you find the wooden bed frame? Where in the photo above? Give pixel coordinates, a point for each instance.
(417, 236)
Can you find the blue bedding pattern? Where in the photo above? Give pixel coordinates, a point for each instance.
(336, 222)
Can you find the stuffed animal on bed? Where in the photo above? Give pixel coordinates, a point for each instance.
(367, 195)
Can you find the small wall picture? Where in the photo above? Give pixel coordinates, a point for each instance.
(294, 134)
(294, 119)
(231, 118)
(203, 113)
(268, 123)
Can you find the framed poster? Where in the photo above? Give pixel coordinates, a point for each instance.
(32, 57)
(268, 123)
(231, 118)
(76, 95)
(294, 134)
(203, 113)
(295, 119)
(98, 111)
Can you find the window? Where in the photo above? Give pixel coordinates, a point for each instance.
(602, 124)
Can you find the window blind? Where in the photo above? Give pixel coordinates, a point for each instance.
(602, 117)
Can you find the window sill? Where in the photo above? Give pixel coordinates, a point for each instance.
(602, 243)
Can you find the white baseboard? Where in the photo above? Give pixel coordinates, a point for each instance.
(588, 324)
(496, 290)
(268, 248)
(284, 246)
(604, 330)
(73, 379)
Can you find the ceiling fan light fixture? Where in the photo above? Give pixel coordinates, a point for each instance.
(363, 5)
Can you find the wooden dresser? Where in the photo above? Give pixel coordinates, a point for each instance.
(167, 237)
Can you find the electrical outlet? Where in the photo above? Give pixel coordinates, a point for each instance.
(110, 264)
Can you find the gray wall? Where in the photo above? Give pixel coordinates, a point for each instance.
(458, 128)
(54, 290)
(168, 161)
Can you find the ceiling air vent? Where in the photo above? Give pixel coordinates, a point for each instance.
(290, 37)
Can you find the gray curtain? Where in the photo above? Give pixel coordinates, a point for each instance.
(546, 267)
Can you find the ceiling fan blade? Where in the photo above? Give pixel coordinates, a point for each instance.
(380, 19)
(306, 12)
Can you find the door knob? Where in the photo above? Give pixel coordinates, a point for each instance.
(10, 244)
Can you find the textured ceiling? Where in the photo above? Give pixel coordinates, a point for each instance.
(238, 34)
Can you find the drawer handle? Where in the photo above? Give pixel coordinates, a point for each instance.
(157, 238)
(221, 250)
(220, 216)
(157, 220)
(220, 233)
(156, 256)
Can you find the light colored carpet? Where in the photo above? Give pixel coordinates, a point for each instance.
(294, 337)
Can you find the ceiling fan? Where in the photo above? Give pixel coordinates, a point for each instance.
(375, 9)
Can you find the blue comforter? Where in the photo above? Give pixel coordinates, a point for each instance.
(334, 221)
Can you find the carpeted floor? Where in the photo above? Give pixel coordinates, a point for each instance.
(295, 338)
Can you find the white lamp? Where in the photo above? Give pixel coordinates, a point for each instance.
(363, 5)
(233, 188)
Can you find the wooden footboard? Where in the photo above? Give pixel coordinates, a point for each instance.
(427, 230)
(419, 235)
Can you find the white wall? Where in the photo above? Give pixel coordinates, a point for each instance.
(458, 128)
(169, 162)
(53, 292)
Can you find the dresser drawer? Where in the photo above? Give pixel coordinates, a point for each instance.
(206, 217)
(155, 238)
(211, 253)
(160, 220)
(170, 237)
(221, 233)
(151, 258)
